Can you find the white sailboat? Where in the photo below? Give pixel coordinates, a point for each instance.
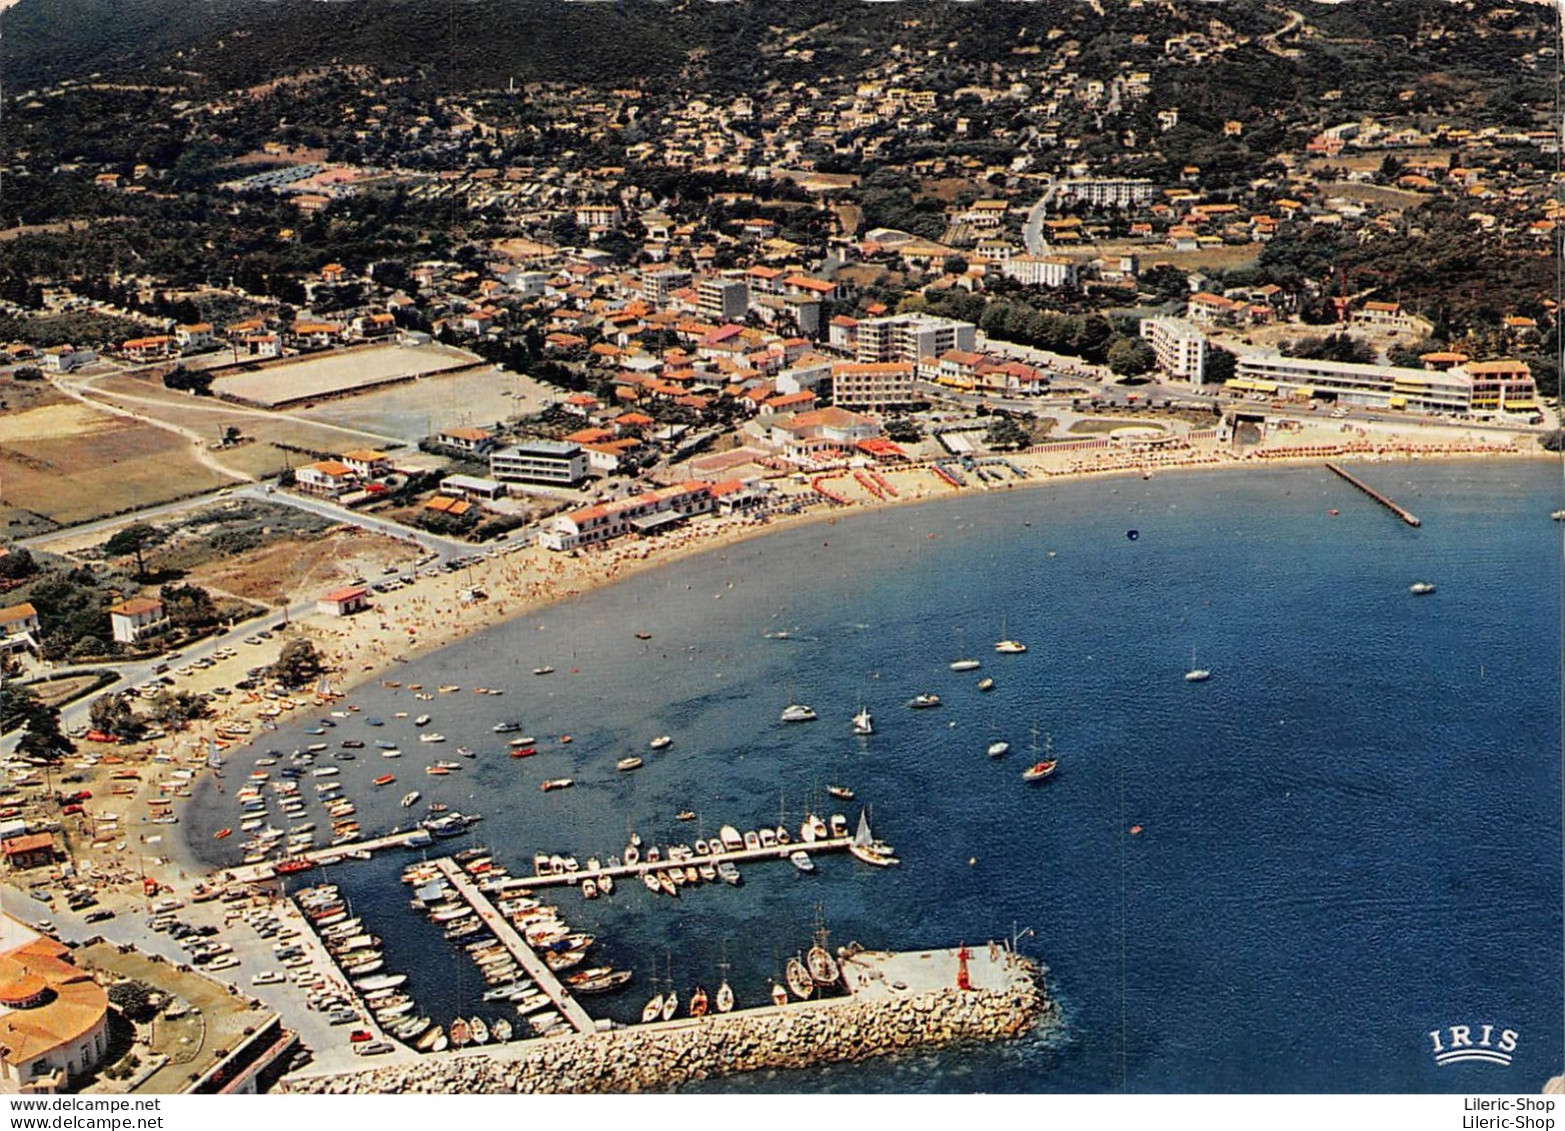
(1195, 674)
(1006, 645)
(862, 723)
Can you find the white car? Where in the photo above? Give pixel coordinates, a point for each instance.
(268, 977)
(222, 963)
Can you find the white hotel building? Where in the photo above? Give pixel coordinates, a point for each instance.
(1180, 347)
(1478, 387)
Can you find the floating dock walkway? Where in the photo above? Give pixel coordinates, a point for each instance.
(1405, 515)
(332, 854)
(641, 867)
(525, 956)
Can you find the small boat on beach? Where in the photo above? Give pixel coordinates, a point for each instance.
(544, 670)
(384, 779)
(431, 736)
(222, 834)
(421, 721)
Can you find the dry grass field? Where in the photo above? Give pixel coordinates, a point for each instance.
(71, 463)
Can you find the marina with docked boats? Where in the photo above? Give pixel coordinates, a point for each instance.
(542, 976)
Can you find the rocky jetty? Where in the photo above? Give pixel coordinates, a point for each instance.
(660, 1057)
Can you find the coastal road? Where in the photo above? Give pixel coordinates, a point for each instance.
(442, 548)
(438, 550)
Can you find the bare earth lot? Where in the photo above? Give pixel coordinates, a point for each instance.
(337, 372)
(299, 568)
(413, 410)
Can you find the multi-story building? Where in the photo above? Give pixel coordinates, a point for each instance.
(137, 617)
(659, 283)
(19, 628)
(1484, 387)
(1042, 270)
(722, 300)
(539, 461)
(642, 514)
(1106, 192)
(911, 337)
(1180, 347)
(874, 386)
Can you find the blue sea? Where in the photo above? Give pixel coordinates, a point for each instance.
(1349, 837)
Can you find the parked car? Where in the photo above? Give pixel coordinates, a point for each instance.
(268, 977)
(373, 1048)
(98, 915)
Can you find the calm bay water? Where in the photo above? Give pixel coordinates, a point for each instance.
(1350, 835)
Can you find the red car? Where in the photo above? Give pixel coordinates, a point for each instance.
(70, 809)
(359, 1035)
(80, 795)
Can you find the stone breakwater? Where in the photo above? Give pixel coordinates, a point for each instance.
(659, 1057)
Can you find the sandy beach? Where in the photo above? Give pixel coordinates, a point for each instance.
(433, 613)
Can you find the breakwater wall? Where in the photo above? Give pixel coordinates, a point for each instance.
(878, 1022)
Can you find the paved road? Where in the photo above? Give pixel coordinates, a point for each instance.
(437, 551)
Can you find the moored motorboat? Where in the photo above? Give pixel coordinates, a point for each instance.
(924, 701)
(797, 713)
(557, 783)
(661, 742)
(725, 997)
(999, 749)
(631, 763)
(384, 779)
(840, 792)
(698, 1003)
(1420, 588)
(963, 665)
(801, 860)
(986, 684)
(779, 995)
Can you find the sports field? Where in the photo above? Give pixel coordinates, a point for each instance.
(336, 372)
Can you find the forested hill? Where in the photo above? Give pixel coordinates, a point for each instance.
(699, 44)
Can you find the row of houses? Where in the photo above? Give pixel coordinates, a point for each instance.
(131, 620)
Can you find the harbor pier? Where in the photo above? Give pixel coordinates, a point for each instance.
(1405, 515)
(525, 956)
(896, 1001)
